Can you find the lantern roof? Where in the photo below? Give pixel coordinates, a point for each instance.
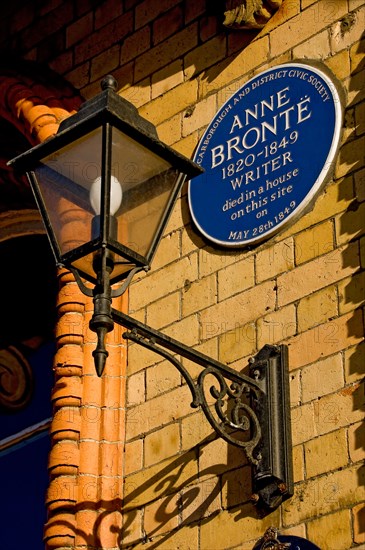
(106, 107)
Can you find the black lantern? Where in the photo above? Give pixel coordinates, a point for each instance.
(105, 181)
(105, 185)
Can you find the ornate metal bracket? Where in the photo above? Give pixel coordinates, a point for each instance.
(251, 412)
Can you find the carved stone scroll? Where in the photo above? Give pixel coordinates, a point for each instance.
(249, 14)
(15, 380)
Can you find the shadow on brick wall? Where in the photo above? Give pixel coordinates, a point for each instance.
(183, 493)
(351, 226)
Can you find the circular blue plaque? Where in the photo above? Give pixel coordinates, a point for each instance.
(266, 154)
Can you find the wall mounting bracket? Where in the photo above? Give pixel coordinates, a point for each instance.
(251, 411)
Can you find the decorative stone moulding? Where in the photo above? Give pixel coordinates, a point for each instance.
(16, 380)
(249, 14)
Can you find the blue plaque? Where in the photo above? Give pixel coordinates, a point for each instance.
(266, 155)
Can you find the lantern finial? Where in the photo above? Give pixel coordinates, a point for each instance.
(109, 83)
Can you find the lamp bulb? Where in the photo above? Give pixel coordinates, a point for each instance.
(115, 195)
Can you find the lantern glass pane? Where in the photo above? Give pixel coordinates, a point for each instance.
(141, 188)
(64, 180)
(148, 183)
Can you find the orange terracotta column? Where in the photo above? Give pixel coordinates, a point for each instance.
(34, 109)
(84, 497)
(87, 431)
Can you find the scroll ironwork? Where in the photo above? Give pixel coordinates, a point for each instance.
(251, 411)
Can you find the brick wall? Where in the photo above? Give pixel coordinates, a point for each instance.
(184, 489)
(305, 287)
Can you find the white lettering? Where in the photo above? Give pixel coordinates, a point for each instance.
(217, 152)
(236, 122)
(233, 144)
(303, 107)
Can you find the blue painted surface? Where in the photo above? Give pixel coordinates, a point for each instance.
(39, 407)
(266, 154)
(23, 467)
(24, 482)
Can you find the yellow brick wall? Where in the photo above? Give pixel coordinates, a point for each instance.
(183, 488)
(304, 287)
